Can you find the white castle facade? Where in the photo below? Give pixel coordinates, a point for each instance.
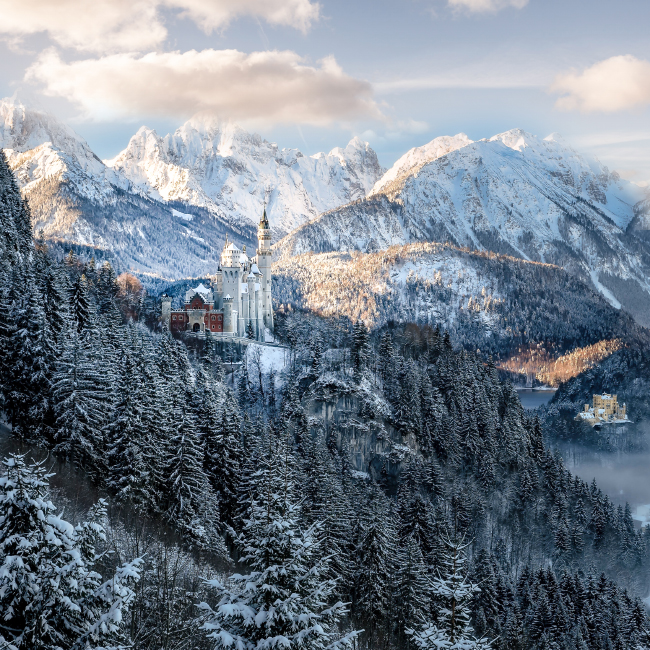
(239, 302)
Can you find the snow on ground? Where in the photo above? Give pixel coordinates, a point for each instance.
(608, 295)
(270, 357)
(182, 215)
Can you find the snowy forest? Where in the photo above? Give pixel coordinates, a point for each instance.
(383, 490)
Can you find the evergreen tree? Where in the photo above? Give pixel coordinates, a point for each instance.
(129, 465)
(223, 458)
(82, 308)
(360, 347)
(454, 630)
(192, 505)
(29, 384)
(316, 352)
(50, 596)
(413, 597)
(81, 398)
(374, 559)
(244, 391)
(386, 353)
(285, 601)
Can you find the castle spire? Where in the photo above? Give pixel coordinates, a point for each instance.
(264, 222)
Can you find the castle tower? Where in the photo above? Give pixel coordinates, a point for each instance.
(264, 261)
(231, 278)
(252, 316)
(228, 322)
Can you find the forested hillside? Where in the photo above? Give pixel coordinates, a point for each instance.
(492, 302)
(372, 493)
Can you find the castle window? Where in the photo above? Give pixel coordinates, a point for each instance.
(219, 317)
(173, 317)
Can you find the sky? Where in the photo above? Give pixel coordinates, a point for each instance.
(311, 75)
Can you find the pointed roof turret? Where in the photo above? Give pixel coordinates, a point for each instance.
(264, 221)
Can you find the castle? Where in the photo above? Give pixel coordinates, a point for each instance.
(241, 300)
(605, 409)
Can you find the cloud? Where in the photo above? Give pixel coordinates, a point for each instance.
(137, 25)
(411, 126)
(486, 6)
(106, 25)
(213, 15)
(615, 84)
(268, 87)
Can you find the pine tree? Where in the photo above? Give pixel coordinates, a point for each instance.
(192, 505)
(286, 599)
(316, 352)
(244, 392)
(374, 559)
(454, 630)
(271, 393)
(82, 308)
(129, 466)
(50, 596)
(16, 247)
(386, 353)
(81, 398)
(223, 458)
(360, 347)
(413, 586)
(29, 385)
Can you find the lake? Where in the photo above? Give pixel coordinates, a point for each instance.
(532, 398)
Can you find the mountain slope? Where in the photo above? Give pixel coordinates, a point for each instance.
(492, 302)
(232, 173)
(165, 206)
(514, 193)
(76, 199)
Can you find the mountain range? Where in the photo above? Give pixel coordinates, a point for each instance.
(164, 205)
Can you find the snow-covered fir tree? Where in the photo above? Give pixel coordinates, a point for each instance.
(51, 597)
(286, 599)
(453, 630)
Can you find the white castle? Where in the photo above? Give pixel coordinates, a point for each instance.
(241, 300)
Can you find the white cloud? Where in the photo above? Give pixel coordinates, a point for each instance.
(411, 126)
(614, 84)
(212, 15)
(267, 87)
(104, 25)
(137, 25)
(486, 6)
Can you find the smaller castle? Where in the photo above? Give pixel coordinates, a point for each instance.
(604, 410)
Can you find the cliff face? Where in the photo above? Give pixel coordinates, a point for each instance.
(357, 419)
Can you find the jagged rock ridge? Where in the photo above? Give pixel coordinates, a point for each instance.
(164, 205)
(219, 166)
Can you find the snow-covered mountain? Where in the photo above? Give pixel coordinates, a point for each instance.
(75, 199)
(414, 159)
(164, 206)
(38, 146)
(516, 194)
(494, 303)
(232, 173)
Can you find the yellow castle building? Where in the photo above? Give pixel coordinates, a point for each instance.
(604, 410)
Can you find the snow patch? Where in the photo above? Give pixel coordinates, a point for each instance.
(182, 215)
(270, 357)
(608, 295)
